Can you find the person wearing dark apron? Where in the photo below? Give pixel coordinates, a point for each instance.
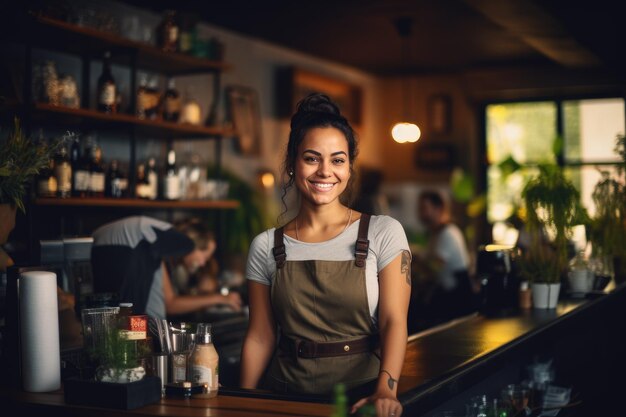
(328, 291)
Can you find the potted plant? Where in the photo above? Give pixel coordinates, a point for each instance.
(608, 226)
(552, 206)
(21, 159)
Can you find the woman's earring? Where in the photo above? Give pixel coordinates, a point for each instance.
(291, 173)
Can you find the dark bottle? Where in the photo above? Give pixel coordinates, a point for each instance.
(107, 89)
(47, 181)
(142, 189)
(172, 102)
(152, 99)
(96, 174)
(80, 170)
(142, 96)
(153, 179)
(168, 32)
(63, 172)
(171, 183)
(116, 183)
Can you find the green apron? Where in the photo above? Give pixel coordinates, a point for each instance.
(322, 301)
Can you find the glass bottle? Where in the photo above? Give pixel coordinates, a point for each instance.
(63, 172)
(153, 179)
(205, 361)
(142, 96)
(116, 184)
(167, 32)
(340, 401)
(190, 111)
(171, 102)
(46, 180)
(80, 170)
(152, 99)
(107, 89)
(142, 189)
(171, 183)
(97, 177)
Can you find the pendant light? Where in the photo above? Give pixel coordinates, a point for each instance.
(405, 131)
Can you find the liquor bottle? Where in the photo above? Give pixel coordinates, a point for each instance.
(46, 181)
(190, 111)
(171, 102)
(63, 172)
(142, 96)
(171, 184)
(152, 99)
(167, 32)
(80, 170)
(153, 179)
(107, 89)
(204, 362)
(116, 184)
(97, 177)
(142, 189)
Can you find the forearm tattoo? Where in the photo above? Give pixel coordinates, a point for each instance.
(405, 267)
(390, 382)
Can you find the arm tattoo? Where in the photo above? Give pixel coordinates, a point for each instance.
(405, 267)
(390, 382)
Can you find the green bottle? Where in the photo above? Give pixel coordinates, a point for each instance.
(340, 403)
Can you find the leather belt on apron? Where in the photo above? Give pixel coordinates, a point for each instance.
(310, 349)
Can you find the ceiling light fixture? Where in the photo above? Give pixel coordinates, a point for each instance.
(403, 132)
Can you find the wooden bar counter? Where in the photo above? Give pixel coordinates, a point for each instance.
(444, 365)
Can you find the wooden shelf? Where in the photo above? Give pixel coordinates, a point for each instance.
(66, 37)
(70, 116)
(138, 203)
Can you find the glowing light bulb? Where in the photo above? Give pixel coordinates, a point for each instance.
(405, 132)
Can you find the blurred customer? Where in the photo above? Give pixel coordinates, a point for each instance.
(128, 258)
(195, 273)
(443, 289)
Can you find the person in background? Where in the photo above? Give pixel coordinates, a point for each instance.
(128, 258)
(334, 282)
(370, 199)
(195, 273)
(442, 270)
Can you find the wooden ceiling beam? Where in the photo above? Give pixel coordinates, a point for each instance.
(534, 26)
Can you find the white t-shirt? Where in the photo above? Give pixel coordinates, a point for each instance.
(387, 240)
(449, 246)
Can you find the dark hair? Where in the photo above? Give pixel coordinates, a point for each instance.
(315, 110)
(197, 231)
(434, 197)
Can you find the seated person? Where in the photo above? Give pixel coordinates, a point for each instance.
(128, 258)
(443, 289)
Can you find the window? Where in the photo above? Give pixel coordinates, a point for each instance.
(522, 135)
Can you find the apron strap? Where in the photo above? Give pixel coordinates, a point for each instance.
(362, 242)
(279, 248)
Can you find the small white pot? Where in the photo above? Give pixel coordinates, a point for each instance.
(545, 295)
(580, 281)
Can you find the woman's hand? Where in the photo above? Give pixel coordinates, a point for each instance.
(233, 300)
(386, 404)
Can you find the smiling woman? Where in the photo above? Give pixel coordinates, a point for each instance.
(333, 280)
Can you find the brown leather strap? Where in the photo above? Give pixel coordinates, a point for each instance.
(362, 242)
(308, 349)
(280, 256)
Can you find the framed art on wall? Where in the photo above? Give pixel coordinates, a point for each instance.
(296, 83)
(244, 112)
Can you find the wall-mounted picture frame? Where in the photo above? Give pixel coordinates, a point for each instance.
(242, 104)
(296, 83)
(440, 113)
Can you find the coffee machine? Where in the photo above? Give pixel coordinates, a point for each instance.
(498, 274)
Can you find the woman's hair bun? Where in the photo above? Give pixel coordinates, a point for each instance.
(317, 102)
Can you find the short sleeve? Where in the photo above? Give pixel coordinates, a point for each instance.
(257, 267)
(390, 240)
